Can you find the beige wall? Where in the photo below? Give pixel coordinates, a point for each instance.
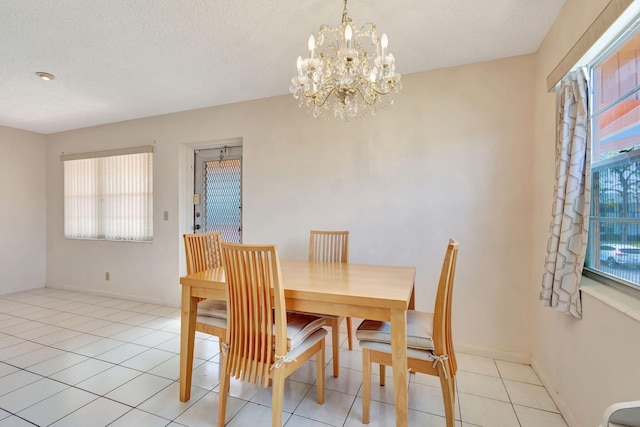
(451, 158)
(592, 362)
(22, 211)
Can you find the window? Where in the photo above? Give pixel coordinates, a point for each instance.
(108, 195)
(614, 232)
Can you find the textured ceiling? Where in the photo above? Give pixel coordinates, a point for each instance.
(117, 60)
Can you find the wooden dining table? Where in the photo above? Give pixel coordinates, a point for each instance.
(374, 292)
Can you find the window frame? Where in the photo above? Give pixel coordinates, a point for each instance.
(620, 40)
(104, 182)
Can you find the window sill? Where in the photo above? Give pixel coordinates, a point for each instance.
(626, 301)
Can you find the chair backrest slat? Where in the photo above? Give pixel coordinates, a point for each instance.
(329, 246)
(202, 251)
(254, 316)
(442, 338)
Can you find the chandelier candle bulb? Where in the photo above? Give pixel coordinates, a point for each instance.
(353, 74)
(384, 42)
(312, 45)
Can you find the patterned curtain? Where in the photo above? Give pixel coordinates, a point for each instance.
(570, 217)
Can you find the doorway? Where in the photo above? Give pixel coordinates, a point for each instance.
(217, 198)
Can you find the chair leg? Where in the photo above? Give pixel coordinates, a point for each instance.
(320, 374)
(277, 397)
(366, 384)
(382, 374)
(335, 345)
(349, 333)
(448, 396)
(224, 392)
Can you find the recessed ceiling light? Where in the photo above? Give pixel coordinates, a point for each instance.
(45, 76)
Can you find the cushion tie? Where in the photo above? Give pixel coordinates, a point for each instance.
(281, 360)
(440, 359)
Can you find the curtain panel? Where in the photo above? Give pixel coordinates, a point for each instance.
(569, 228)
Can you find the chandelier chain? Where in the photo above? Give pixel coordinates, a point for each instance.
(344, 13)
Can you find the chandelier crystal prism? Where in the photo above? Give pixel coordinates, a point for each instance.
(349, 72)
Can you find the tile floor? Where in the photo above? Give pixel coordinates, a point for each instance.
(73, 359)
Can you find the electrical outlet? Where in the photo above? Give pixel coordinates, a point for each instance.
(107, 276)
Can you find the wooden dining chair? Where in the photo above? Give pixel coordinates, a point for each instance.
(264, 343)
(429, 342)
(203, 252)
(332, 246)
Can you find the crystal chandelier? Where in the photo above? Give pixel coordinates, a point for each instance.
(350, 76)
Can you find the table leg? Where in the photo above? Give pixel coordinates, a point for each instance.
(399, 361)
(187, 337)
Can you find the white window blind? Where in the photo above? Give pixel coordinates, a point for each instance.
(109, 195)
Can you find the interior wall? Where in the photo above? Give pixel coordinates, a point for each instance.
(23, 213)
(449, 159)
(593, 362)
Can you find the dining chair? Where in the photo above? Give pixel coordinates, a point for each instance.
(264, 344)
(332, 246)
(203, 252)
(622, 414)
(429, 343)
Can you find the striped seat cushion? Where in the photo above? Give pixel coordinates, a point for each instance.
(212, 308)
(419, 331)
(300, 326)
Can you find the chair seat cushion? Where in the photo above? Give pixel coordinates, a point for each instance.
(212, 321)
(419, 331)
(212, 308)
(300, 326)
(412, 353)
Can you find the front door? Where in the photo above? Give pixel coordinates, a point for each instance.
(218, 192)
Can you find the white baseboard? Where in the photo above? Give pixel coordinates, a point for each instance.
(493, 354)
(560, 403)
(146, 299)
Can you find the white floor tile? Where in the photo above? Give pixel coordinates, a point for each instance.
(518, 372)
(166, 403)
(57, 406)
(482, 385)
(19, 349)
(81, 371)
(486, 412)
(122, 353)
(530, 395)
(138, 389)
(148, 359)
(530, 417)
(139, 418)
(476, 364)
(75, 342)
(334, 411)
(108, 380)
(14, 421)
(383, 415)
(348, 382)
(61, 335)
(100, 412)
(34, 357)
(57, 364)
(30, 394)
(204, 413)
(98, 347)
(6, 369)
(294, 392)
(254, 414)
(427, 399)
(154, 338)
(298, 421)
(16, 380)
(206, 376)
